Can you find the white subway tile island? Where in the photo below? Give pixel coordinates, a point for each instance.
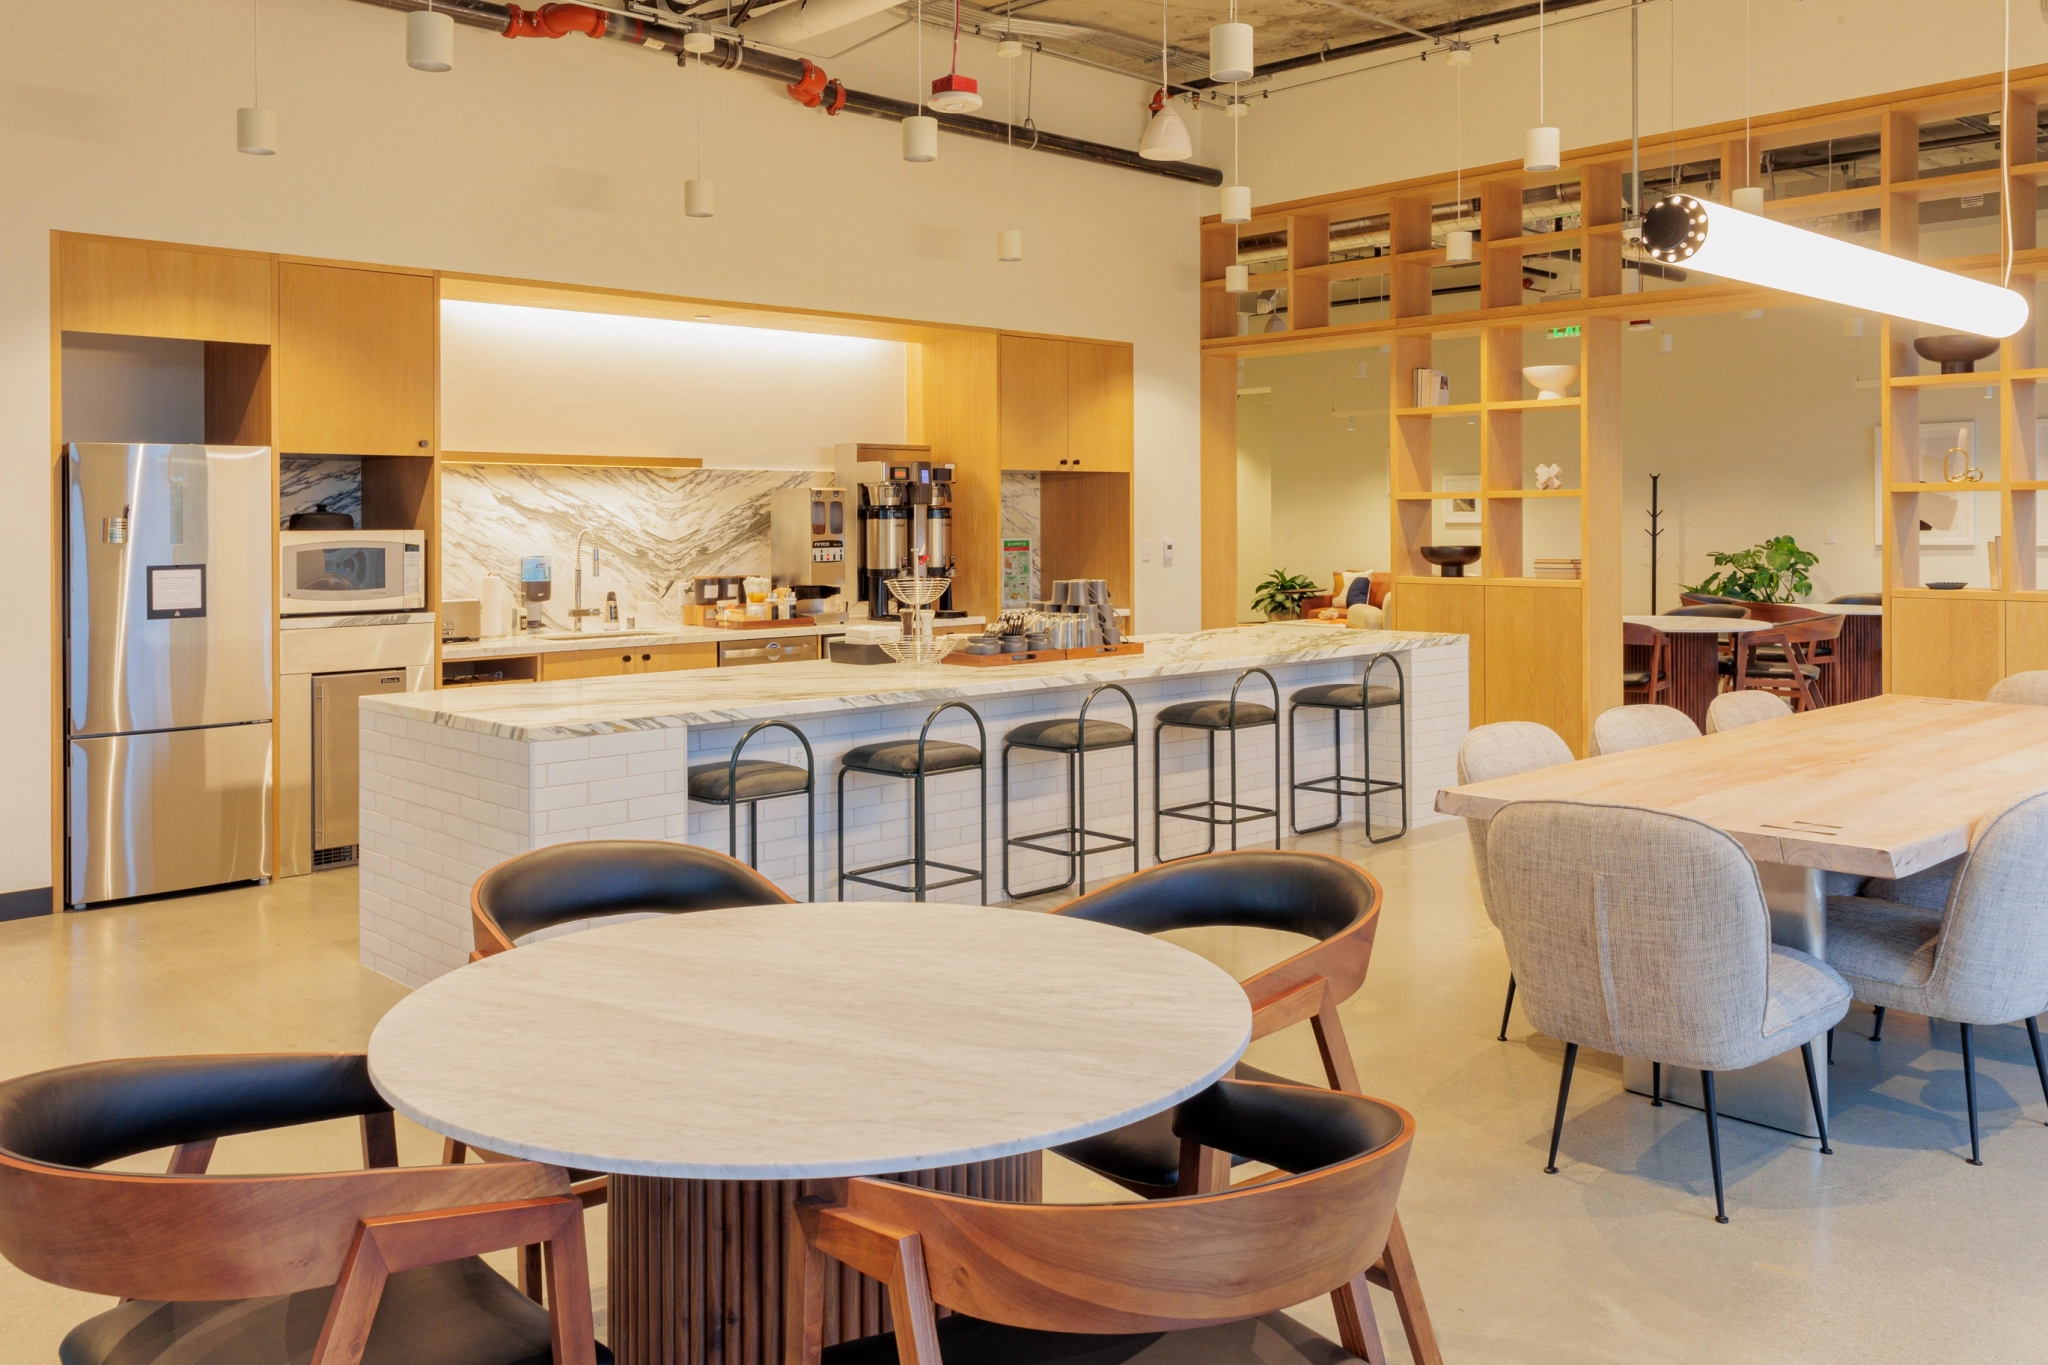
(457, 780)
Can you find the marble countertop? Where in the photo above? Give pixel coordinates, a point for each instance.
(657, 701)
(519, 646)
(786, 1042)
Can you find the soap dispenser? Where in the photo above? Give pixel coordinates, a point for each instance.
(611, 611)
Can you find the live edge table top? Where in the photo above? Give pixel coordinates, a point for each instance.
(1879, 788)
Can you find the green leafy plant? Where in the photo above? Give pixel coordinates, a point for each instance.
(1773, 570)
(1281, 593)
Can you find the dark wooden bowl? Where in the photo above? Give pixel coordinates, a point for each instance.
(1451, 559)
(1956, 352)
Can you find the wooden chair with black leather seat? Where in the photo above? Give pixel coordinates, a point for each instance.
(1648, 683)
(1202, 1277)
(1787, 659)
(378, 1266)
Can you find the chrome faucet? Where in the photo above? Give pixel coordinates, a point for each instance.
(579, 611)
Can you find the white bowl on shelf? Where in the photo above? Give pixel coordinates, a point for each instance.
(1551, 381)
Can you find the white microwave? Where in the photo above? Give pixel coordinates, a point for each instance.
(335, 571)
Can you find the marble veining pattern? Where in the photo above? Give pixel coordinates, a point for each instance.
(594, 706)
(1020, 518)
(306, 482)
(656, 527)
(368, 618)
(810, 1041)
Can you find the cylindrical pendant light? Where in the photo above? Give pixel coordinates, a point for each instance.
(1010, 244)
(1230, 52)
(1009, 49)
(699, 42)
(920, 138)
(697, 198)
(429, 41)
(1237, 203)
(1237, 279)
(1721, 240)
(1457, 245)
(256, 131)
(1750, 199)
(1542, 150)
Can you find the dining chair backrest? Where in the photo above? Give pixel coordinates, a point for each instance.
(1622, 728)
(2022, 689)
(1633, 931)
(1634, 633)
(1991, 961)
(1728, 610)
(1782, 611)
(1703, 598)
(1858, 599)
(563, 883)
(187, 1236)
(1733, 710)
(1503, 749)
(1157, 1265)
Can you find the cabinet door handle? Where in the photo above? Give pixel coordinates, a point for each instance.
(645, 658)
(423, 445)
(625, 658)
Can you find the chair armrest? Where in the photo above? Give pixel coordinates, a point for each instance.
(893, 1255)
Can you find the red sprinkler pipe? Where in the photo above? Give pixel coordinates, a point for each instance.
(814, 88)
(555, 21)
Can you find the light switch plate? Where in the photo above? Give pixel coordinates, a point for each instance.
(1166, 553)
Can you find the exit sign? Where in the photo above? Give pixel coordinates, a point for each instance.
(1557, 332)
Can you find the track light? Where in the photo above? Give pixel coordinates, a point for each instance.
(256, 131)
(1722, 240)
(1230, 52)
(920, 138)
(429, 41)
(1010, 244)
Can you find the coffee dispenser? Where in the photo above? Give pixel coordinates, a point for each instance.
(905, 515)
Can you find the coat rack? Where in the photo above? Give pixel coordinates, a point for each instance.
(1655, 531)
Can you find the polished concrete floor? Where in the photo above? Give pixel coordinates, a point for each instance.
(1893, 1248)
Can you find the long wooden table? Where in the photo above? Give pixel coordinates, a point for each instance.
(1879, 788)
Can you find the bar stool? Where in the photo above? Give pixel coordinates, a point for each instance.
(748, 782)
(916, 760)
(1213, 717)
(1363, 697)
(1075, 739)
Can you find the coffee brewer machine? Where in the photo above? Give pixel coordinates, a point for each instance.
(807, 538)
(905, 511)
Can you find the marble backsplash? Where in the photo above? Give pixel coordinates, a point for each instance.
(656, 527)
(307, 482)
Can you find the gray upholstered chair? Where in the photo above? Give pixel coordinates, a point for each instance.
(1645, 934)
(1733, 710)
(2022, 689)
(1504, 749)
(1637, 727)
(1982, 959)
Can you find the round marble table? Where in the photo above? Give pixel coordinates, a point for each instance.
(714, 1061)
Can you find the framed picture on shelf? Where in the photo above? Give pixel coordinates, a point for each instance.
(1945, 448)
(1461, 511)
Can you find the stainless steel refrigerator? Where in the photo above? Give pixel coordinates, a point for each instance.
(168, 614)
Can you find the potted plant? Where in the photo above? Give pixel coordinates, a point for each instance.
(1773, 570)
(1280, 595)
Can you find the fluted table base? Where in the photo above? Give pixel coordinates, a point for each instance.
(696, 1265)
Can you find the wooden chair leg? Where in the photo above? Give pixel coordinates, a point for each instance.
(1357, 1329)
(528, 1265)
(1203, 1170)
(453, 1153)
(1398, 1267)
(1336, 1049)
(380, 1140)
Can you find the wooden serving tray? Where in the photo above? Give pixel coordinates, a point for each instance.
(799, 623)
(1041, 656)
(1107, 651)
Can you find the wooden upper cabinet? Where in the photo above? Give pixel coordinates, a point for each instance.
(1032, 402)
(355, 361)
(1100, 426)
(145, 289)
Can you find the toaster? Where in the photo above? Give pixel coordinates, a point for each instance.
(461, 619)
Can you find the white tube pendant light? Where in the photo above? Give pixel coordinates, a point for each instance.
(1010, 240)
(1722, 240)
(1010, 244)
(1230, 50)
(1749, 198)
(1237, 197)
(1458, 241)
(429, 40)
(255, 126)
(1237, 279)
(920, 131)
(1166, 137)
(697, 195)
(1542, 149)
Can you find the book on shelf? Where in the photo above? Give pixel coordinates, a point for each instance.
(1555, 568)
(1432, 389)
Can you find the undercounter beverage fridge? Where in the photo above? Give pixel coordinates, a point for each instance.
(167, 668)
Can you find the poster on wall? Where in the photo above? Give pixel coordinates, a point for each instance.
(1016, 572)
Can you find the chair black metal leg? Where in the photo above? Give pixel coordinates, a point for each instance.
(754, 835)
(1877, 1031)
(918, 868)
(732, 830)
(1714, 1145)
(1279, 776)
(1656, 1085)
(1970, 1094)
(1211, 848)
(1564, 1090)
(2040, 1066)
(981, 861)
(1831, 1047)
(839, 842)
(1233, 787)
(1077, 815)
(811, 840)
(1005, 789)
(1507, 1009)
(1820, 1111)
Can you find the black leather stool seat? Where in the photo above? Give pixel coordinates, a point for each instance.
(1636, 677)
(1147, 1152)
(457, 1313)
(898, 757)
(1214, 715)
(1348, 696)
(1063, 736)
(758, 779)
(1275, 1339)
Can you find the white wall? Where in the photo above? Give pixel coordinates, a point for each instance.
(562, 160)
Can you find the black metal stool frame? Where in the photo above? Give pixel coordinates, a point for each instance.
(1074, 835)
(1238, 810)
(1365, 787)
(919, 864)
(732, 814)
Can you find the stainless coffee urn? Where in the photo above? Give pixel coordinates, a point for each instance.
(905, 510)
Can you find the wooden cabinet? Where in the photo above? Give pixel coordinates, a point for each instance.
(148, 289)
(1065, 405)
(356, 361)
(624, 658)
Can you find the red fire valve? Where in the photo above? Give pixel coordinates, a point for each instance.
(809, 90)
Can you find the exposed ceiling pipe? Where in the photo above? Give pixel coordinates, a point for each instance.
(736, 54)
